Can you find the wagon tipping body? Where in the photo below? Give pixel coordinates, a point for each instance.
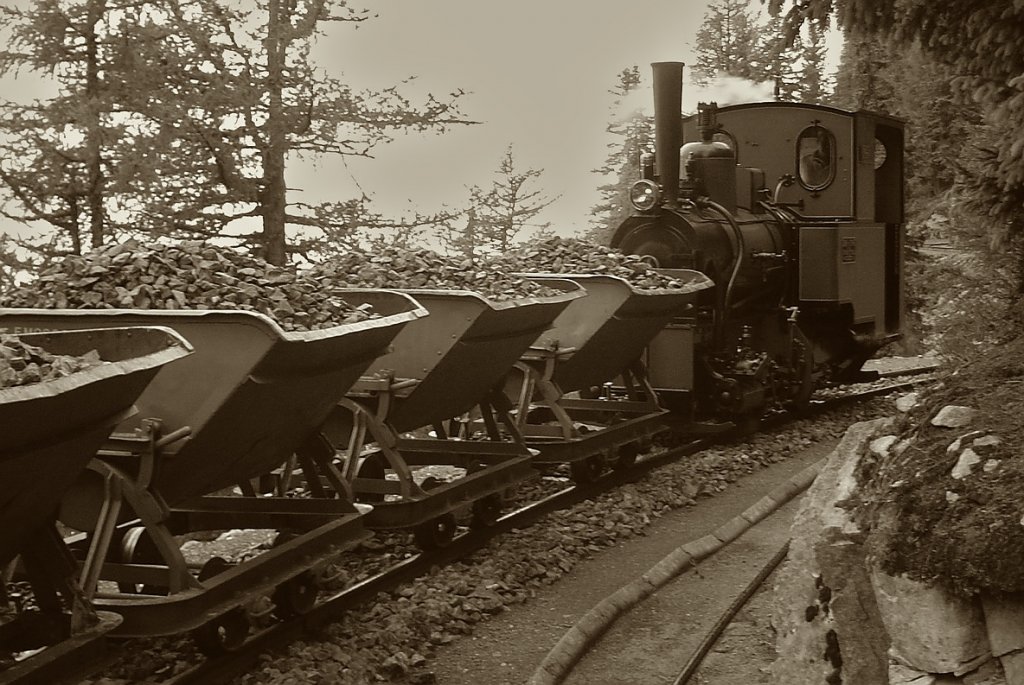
(247, 400)
(51, 430)
(442, 367)
(560, 386)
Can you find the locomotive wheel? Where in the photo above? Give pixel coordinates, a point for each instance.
(436, 533)
(748, 424)
(803, 366)
(626, 455)
(587, 470)
(224, 634)
(137, 547)
(295, 596)
(486, 511)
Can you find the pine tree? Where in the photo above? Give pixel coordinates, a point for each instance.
(498, 214)
(777, 60)
(814, 85)
(727, 43)
(863, 80)
(635, 134)
(733, 41)
(183, 115)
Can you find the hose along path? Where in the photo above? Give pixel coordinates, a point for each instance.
(560, 661)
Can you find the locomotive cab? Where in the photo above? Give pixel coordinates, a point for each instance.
(795, 211)
(838, 176)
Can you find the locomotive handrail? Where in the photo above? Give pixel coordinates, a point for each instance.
(741, 249)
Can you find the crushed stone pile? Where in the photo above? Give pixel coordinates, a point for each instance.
(574, 256)
(186, 275)
(404, 268)
(24, 364)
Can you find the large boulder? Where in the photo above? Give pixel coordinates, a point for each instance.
(930, 629)
(828, 626)
(1004, 622)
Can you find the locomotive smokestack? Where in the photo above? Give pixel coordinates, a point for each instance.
(668, 129)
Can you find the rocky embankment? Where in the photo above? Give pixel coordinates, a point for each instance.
(904, 568)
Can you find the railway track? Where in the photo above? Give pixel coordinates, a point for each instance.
(331, 607)
(666, 637)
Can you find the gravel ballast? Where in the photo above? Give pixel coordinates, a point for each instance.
(394, 638)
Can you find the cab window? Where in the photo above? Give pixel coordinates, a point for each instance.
(816, 157)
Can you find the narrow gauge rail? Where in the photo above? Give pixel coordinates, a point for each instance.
(712, 637)
(235, 663)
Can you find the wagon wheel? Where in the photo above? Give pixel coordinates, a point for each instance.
(435, 533)
(372, 467)
(486, 511)
(137, 547)
(224, 634)
(212, 567)
(295, 596)
(227, 632)
(626, 455)
(587, 470)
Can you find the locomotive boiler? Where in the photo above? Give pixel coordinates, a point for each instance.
(795, 211)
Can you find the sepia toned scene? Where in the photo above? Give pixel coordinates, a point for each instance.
(441, 342)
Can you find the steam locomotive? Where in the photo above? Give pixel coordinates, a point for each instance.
(795, 211)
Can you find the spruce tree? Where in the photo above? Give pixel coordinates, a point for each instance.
(499, 214)
(727, 43)
(634, 132)
(179, 118)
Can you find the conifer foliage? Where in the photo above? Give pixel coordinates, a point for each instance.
(735, 40)
(633, 129)
(499, 214)
(179, 117)
(981, 43)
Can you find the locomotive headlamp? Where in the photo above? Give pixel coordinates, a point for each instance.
(644, 195)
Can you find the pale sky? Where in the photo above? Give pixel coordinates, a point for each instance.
(538, 73)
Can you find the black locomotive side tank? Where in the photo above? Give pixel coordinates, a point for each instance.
(702, 239)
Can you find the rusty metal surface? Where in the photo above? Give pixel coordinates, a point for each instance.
(457, 494)
(251, 392)
(52, 429)
(145, 615)
(609, 328)
(466, 346)
(65, 662)
(618, 426)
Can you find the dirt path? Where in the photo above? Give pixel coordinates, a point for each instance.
(652, 643)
